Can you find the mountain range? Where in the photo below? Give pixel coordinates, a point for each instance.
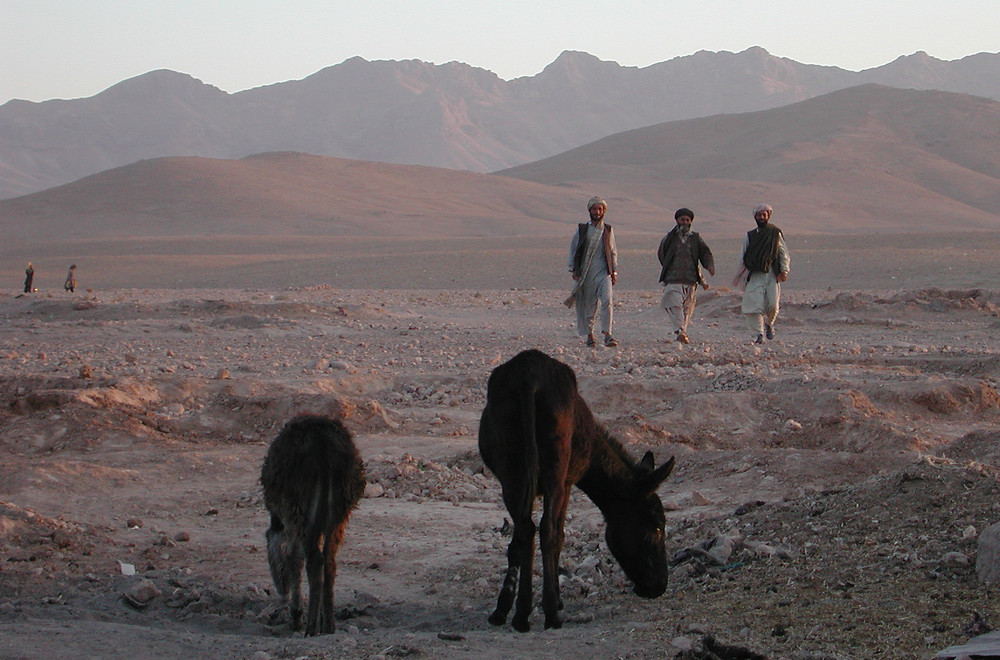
(864, 159)
(412, 112)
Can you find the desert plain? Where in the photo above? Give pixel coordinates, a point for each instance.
(849, 465)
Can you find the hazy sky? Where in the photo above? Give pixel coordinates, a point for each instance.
(75, 48)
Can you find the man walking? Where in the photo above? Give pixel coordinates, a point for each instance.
(29, 277)
(70, 283)
(682, 254)
(593, 261)
(764, 262)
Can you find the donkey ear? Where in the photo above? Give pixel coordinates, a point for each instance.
(652, 481)
(647, 463)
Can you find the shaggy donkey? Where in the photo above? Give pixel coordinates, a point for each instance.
(539, 438)
(313, 478)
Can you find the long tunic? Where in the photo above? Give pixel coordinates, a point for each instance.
(763, 291)
(595, 281)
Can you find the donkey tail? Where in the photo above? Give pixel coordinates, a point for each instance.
(529, 431)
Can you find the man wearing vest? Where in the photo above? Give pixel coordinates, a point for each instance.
(593, 261)
(682, 254)
(764, 262)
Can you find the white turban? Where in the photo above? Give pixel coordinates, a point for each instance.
(762, 207)
(594, 201)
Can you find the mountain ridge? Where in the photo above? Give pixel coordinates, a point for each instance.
(410, 112)
(865, 159)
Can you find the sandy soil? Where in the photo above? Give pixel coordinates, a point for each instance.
(853, 461)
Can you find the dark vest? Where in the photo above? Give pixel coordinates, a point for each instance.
(581, 244)
(762, 249)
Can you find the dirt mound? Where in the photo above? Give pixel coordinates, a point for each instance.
(911, 531)
(978, 447)
(30, 540)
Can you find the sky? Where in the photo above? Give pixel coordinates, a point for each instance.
(77, 48)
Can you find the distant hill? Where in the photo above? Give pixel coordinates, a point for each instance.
(411, 112)
(865, 159)
(281, 195)
(860, 159)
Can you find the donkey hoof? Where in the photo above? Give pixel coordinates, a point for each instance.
(555, 623)
(497, 619)
(521, 626)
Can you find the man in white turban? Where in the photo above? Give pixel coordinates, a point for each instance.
(764, 265)
(593, 261)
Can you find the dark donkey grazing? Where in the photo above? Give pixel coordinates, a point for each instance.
(539, 438)
(313, 478)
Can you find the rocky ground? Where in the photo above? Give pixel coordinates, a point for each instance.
(828, 498)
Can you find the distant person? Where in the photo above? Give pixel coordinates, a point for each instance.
(70, 283)
(682, 253)
(593, 261)
(764, 262)
(29, 277)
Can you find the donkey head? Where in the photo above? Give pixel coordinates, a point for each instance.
(282, 558)
(635, 534)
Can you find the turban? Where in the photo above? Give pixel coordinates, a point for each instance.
(688, 212)
(594, 201)
(762, 207)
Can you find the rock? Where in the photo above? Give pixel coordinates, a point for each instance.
(364, 601)
(955, 559)
(792, 426)
(682, 643)
(141, 593)
(988, 555)
(672, 504)
(319, 364)
(700, 500)
(62, 539)
(588, 566)
(374, 490)
(182, 537)
(723, 548)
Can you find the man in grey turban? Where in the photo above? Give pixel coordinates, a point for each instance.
(593, 261)
(764, 265)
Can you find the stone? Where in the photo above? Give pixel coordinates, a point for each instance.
(700, 500)
(141, 593)
(955, 559)
(792, 426)
(988, 555)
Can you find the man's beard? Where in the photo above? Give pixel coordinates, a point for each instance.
(683, 230)
(761, 223)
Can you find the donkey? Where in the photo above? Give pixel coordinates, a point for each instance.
(539, 438)
(312, 478)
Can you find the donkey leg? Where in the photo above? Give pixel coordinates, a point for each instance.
(328, 623)
(326, 619)
(295, 597)
(524, 537)
(314, 573)
(506, 598)
(552, 535)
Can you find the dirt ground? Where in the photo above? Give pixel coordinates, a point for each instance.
(849, 466)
